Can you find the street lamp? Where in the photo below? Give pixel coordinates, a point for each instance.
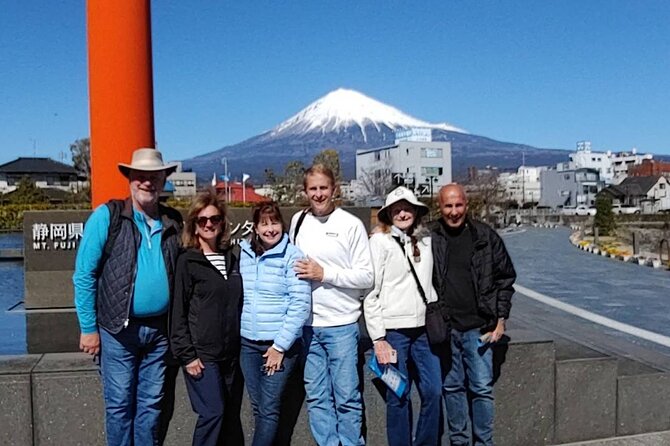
(431, 179)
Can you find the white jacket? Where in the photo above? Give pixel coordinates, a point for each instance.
(395, 301)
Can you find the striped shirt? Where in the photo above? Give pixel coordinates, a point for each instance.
(219, 262)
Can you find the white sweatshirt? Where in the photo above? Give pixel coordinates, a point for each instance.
(395, 301)
(339, 243)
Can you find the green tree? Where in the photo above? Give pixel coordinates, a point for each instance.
(27, 193)
(331, 159)
(287, 187)
(80, 150)
(604, 219)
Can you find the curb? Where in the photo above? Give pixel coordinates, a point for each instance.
(593, 249)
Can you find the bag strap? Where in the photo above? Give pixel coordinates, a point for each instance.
(411, 267)
(298, 224)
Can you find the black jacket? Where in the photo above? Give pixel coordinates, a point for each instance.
(118, 268)
(493, 274)
(206, 309)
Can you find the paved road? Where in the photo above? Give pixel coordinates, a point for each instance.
(546, 262)
(609, 306)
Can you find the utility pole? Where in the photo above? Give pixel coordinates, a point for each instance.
(523, 178)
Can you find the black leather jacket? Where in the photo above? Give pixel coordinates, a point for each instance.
(493, 274)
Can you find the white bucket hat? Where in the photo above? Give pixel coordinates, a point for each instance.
(147, 160)
(396, 195)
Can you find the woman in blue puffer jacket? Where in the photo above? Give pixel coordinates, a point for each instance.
(276, 306)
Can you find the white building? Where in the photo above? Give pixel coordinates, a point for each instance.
(622, 161)
(612, 166)
(413, 161)
(584, 158)
(183, 184)
(522, 186)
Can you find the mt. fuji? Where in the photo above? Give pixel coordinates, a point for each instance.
(342, 109)
(347, 120)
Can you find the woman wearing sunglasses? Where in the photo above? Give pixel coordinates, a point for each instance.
(276, 306)
(205, 325)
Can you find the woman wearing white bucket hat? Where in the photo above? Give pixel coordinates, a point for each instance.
(395, 314)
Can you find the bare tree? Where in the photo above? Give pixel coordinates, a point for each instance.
(376, 181)
(81, 156)
(484, 193)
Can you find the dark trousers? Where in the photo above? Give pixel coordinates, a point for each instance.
(216, 396)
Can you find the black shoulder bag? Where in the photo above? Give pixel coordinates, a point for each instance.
(437, 323)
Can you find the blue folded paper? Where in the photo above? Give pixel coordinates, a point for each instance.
(391, 376)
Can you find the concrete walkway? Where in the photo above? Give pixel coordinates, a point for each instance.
(652, 439)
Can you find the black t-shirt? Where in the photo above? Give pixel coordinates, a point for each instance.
(460, 291)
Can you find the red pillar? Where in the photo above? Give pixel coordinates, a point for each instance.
(120, 90)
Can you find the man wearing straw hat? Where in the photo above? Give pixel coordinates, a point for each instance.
(123, 282)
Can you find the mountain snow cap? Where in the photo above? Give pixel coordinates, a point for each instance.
(343, 108)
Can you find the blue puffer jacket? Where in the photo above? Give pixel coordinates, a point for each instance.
(276, 302)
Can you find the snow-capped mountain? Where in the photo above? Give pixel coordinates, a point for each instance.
(343, 109)
(347, 120)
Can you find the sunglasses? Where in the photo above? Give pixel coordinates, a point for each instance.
(215, 219)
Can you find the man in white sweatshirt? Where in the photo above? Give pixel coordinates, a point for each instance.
(339, 265)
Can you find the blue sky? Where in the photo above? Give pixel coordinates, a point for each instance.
(544, 73)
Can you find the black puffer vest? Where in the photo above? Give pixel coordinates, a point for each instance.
(117, 277)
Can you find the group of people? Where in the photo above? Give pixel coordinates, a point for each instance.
(151, 289)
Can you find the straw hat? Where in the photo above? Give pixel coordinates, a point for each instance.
(147, 160)
(396, 195)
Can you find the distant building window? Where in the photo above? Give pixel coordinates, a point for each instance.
(378, 156)
(431, 171)
(566, 176)
(427, 152)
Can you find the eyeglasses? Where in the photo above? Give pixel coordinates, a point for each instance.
(215, 219)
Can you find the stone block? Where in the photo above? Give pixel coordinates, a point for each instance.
(48, 289)
(45, 253)
(585, 399)
(67, 405)
(16, 427)
(52, 332)
(524, 392)
(18, 364)
(643, 403)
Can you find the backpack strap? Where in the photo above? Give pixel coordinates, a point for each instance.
(298, 224)
(115, 207)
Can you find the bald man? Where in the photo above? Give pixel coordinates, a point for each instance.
(473, 275)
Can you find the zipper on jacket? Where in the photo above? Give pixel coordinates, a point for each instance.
(254, 330)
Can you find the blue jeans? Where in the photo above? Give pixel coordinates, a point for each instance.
(132, 365)
(413, 348)
(333, 396)
(469, 359)
(216, 396)
(265, 392)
